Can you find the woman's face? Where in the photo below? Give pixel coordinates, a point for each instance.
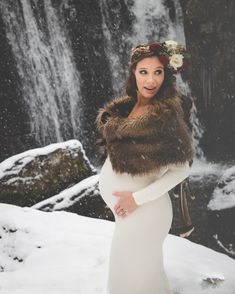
(149, 74)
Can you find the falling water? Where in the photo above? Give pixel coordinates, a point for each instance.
(116, 41)
(50, 82)
(153, 22)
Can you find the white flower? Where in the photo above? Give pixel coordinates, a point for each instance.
(176, 60)
(171, 44)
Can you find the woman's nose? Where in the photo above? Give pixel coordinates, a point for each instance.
(150, 79)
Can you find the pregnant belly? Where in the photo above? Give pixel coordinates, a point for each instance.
(110, 181)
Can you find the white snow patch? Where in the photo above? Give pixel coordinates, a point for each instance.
(224, 196)
(201, 168)
(67, 253)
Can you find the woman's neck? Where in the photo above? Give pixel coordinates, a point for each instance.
(141, 101)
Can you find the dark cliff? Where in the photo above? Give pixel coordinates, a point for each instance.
(210, 35)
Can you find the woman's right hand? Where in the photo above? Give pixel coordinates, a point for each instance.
(126, 204)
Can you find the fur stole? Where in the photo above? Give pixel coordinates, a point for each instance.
(143, 144)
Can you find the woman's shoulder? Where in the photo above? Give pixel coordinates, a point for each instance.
(168, 105)
(117, 105)
(113, 107)
(117, 101)
(114, 104)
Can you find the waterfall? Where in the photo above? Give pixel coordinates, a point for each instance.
(50, 82)
(153, 22)
(116, 38)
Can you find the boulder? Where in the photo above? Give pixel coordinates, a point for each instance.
(83, 198)
(38, 174)
(209, 34)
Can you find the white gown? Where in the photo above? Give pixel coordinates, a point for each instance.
(136, 257)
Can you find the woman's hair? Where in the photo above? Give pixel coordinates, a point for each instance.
(167, 89)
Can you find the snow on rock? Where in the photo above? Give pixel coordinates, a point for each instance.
(69, 196)
(82, 198)
(203, 170)
(37, 174)
(61, 252)
(14, 164)
(223, 196)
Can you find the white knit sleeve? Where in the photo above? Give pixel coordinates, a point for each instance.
(175, 174)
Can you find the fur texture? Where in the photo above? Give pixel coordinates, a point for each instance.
(148, 142)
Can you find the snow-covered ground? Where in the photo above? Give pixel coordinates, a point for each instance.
(62, 252)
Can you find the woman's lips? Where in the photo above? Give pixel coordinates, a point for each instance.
(149, 89)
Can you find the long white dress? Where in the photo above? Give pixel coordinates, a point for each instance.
(136, 257)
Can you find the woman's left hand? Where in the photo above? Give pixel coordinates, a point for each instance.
(125, 203)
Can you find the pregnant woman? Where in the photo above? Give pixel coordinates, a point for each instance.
(148, 149)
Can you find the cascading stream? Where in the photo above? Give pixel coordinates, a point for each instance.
(152, 22)
(50, 82)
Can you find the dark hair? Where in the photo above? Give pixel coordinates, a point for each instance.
(167, 89)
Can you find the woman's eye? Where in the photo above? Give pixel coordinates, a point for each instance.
(143, 72)
(159, 71)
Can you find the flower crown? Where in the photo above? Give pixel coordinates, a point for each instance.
(170, 53)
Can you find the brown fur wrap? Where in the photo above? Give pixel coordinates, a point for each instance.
(143, 144)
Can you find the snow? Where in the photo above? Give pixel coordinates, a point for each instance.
(73, 252)
(223, 177)
(68, 197)
(63, 252)
(201, 169)
(14, 164)
(224, 194)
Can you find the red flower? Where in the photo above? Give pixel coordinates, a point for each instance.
(163, 59)
(155, 46)
(185, 63)
(182, 50)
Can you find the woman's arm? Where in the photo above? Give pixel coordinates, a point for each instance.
(173, 176)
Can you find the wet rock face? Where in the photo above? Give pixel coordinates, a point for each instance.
(43, 176)
(210, 37)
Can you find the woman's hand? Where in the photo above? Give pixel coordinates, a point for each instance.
(126, 203)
